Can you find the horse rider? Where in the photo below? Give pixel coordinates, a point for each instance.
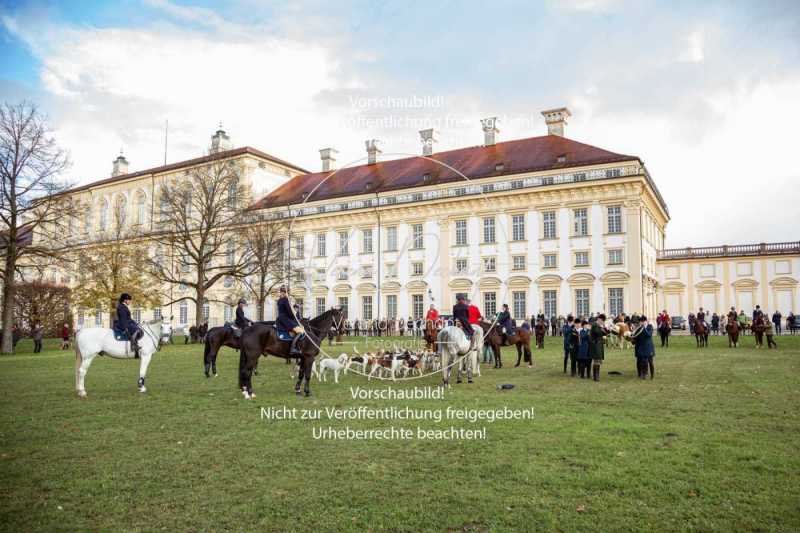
(241, 321)
(507, 325)
(461, 315)
(126, 323)
(473, 313)
(432, 316)
(288, 322)
(701, 317)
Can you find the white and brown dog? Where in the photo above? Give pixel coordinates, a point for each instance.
(336, 365)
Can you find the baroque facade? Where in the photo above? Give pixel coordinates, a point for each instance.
(544, 224)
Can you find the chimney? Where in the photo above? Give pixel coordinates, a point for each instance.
(372, 151)
(556, 119)
(490, 131)
(428, 138)
(220, 141)
(328, 156)
(120, 166)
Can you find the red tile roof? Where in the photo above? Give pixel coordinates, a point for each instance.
(188, 163)
(522, 155)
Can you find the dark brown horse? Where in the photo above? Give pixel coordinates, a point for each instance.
(216, 338)
(522, 340)
(261, 339)
(732, 328)
(701, 333)
(758, 328)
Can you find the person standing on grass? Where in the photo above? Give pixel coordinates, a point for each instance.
(715, 324)
(584, 357)
(566, 332)
(790, 322)
(644, 349)
(597, 333)
(776, 319)
(37, 333)
(65, 337)
(769, 331)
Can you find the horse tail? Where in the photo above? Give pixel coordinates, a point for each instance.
(207, 351)
(78, 361)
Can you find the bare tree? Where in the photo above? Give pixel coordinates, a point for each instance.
(198, 225)
(265, 242)
(32, 212)
(116, 265)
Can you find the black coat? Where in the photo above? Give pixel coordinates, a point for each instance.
(286, 320)
(241, 320)
(124, 320)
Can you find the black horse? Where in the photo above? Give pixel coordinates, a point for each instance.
(261, 339)
(216, 338)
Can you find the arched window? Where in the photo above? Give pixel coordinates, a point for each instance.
(104, 215)
(121, 211)
(141, 208)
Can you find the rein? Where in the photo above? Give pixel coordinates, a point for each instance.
(146, 328)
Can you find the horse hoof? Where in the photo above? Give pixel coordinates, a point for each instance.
(216, 375)
(207, 375)
(297, 392)
(142, 389)
(458, 382)
(308, 394)
(81, 394)
(469, 381)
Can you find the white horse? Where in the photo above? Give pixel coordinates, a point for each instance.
(90, 342)
(454, 344)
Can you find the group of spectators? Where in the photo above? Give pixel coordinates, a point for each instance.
(716, 322)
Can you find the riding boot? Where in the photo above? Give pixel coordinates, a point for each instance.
(135, 344)
(652, 368)
(566, 358)
(596, 372)
(293, 351)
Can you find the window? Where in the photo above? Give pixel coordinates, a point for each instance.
(183, 314)
(157, 313)
(461, 232)
(581, 222)
(579, 176)
(366, 307)
(121, 211)
(549, 225)
(707, 271)
(366, 241)
(98, 316)
(615, 302)
(615, 257)
(417, 305)
(518, 227)
(344, 305)
(461, 266)
(550, 261)
(141, 209)
(489, 264)
(164, 210)
(582, 302)
(549, 300)
(489, 304)
(581, 259)
(366, 272)
(299, 247)
(343, 249)
(519, 307)
(746, 269)
(206, 310)
(782, 267)
(228, 282)
(104, 215)
(416, 236)
(517, 184)
(321, 249)
(391, 270)
(518, 262)
(300, 303)
(487, 188)
(488, 230)
(233, 193)
(321, 305)
(613, 173)
(391, 306)
(391, 239)
(417, 268)
(342, 274)
(614, 219)
(230, 254)
(319, 274)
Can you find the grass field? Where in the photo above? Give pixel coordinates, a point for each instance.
(710, 444)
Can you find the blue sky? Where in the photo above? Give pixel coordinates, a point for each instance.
(706, 93)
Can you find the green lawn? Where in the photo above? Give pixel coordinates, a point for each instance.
(710, 444)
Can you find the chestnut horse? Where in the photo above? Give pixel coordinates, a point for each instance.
(494, 339)
(701, 333)
(522, 340)
(758, 328)
(261, 339)
(732, 328)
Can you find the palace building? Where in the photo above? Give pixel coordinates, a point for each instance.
(543, 223)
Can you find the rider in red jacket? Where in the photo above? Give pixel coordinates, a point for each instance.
(474, 313)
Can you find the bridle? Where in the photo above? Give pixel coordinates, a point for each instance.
(156, 341)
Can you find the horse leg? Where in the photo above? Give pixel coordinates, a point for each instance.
(144, 362)
(300, 376)
(82, 365)
(497, 362)
(652, 367)
(207, 359)
(307, 372)
(519, 356)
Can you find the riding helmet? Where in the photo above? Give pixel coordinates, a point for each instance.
(125, 296)
(242, 301)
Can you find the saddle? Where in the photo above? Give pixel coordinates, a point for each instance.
(121, 335)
